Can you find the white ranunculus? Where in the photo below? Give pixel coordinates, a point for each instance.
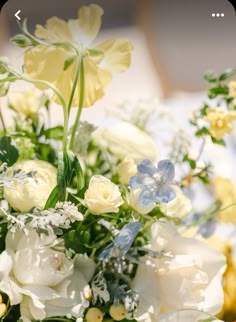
(133, 201)
(125, 140)
(102, 195)
(179, 207)
(27, 102)
(35, 192)
(41, 279)
(190, 279)
(126, 169)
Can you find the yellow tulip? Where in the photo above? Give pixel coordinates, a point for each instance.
(57, 64)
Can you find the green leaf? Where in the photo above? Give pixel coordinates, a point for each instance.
(211, 77)
(55, 133)
(216, 91)
(8, 153)
(204, 109)
(21, 41)
(69, 61)
(52, 199)
(77, 170)
(226, 74)
(62, 172)
(201, 132)
(191, 162)
(220, 142)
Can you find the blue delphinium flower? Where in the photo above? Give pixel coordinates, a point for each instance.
(154, 182)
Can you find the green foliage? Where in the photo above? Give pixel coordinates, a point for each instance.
(8, 152)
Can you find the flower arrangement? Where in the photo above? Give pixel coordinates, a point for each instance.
(94, 226)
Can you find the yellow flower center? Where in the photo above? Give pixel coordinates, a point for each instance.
(220, 123)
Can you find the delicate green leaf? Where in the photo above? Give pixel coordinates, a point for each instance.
(220, 142)
(61, 175)
(228, 73)
(201, 132)
(21, 41)
(8, 153)
(211, 77)
(219, 90)
(55, 133)
(77, 170)
(69, 61)
(204, 109)
(52, 199)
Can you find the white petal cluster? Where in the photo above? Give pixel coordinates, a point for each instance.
(35, 273)
(187, 280)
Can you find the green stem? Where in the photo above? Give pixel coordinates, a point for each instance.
(81, 101)
(3, 123)
(77, 72)
(58, 94)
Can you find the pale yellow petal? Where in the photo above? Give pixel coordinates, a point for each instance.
(90, 20)
(45, 62)
(95, 79)
(56, 29)
(117, 54)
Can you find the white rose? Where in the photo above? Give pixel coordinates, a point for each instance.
(190, 279)
(35, 192)
(126, 169)
(133, 200)
(41, 279)
(26, 102)
(125, 140)
(179, 207)
(102, 195)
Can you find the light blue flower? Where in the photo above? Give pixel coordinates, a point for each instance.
(155, 183)
(122, 242)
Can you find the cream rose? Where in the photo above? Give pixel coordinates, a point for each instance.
(102, 195)
(125, 140)
(126, 169)
(26, 102)
(35, 192)
(179, 207)
(191, 278)
(41, 279)
(133, 200)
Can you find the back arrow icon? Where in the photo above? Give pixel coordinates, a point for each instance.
(17, 15)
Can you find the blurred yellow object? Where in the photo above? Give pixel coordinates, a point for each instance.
(225, 191)
(57, 64)
(228, 312)
(232, 87)
(220, 122)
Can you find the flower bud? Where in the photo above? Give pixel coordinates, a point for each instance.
(118, 312)
(94, 315)
(3, 309)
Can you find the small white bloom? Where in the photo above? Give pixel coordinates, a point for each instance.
(102, 195)
(191, 279)
(35, 192)
(125, 140)
(133, 200)
(27, 102)
(179, 207)
(126, 169)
